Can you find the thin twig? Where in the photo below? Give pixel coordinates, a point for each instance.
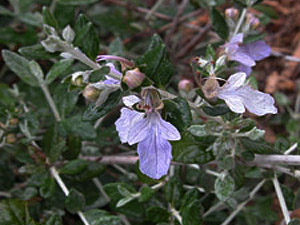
(281, 199)
(292, 160)
(287, 57)
(153, 9)
(243, 204)
(241, 20)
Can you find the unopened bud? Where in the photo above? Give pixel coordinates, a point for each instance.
(134, 78)
(11, 138)
(91, 93)
(185, 85)
(13, 121)
(252, 21)
(232, 13)
(77, 79)
(210, 88)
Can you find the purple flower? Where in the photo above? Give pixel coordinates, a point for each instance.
(151, 133)
(113, 72)
(246, 54)
(240, 96)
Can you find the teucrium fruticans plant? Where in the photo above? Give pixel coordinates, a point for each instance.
(194, 143)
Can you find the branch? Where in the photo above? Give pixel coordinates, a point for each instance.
(292, 160)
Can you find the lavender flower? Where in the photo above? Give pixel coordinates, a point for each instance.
(151, 133)
(239, 96)
(246, 54)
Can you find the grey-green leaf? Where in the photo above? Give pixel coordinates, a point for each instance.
(20, 66)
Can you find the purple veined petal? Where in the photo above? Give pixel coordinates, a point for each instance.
(140, 130)
(238, 38)
(167, 130)
(126, 121)
(113, 70)
(257, 50)
(243, 68)
(244, 96)
(235, 81)
(110, 80)
(242, 57)
(130, 100)
(155, 155)
(233, 102)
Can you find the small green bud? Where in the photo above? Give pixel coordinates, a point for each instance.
(91, 93)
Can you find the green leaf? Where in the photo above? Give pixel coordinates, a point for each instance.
(86, 36)
(76, 2)
(75, 201)
(173, 191)
(14, 212)
(288, 195)
(49, 19)
(157, 214)
(101, 217)
(57, 69)
(36, 52)
(93, 113)
(224, 186)
(20, 66)
(187, 150)
(219, 24)
(47, 189)
(92, 170)
(146, 193)
(155, 63)
(192, 213)
(217, 110)
(64, 100)
(9, 36)
(73, 147)
(74, 167)
(267, 10)
(258, 147)
(36, 70)
(99, 74)
(198, 130)
(75, 126)
(54, 219)
(294, 222)
(178, 113)
(53, 143)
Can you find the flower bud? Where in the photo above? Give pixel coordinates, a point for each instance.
(210, 88)
(11, 138)
(77, 79)
(252, 21)
(151, 100)
(91, 93)
(13, 121)
(232, 13)
(185, 85)
(134, 78)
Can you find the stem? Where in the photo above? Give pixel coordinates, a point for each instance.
(277, 159)
(100, 188)
(50, 101)
(238, 26)
(154, 8)
(62, 185)
(82, 57)
(243, 204)
(281, 199)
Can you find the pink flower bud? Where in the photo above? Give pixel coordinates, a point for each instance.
(185, 85)
(91, 93)
(252, 21)
(232, 13)
(133, 78)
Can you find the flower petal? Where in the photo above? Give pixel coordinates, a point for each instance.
(130, 100)
(126, 121)
(155, 155)
(243, 97)
(238, 38)
(236, 80)
(243, 68)
(257, 50)
(167, 130)
(242, 57)
(139, 131)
